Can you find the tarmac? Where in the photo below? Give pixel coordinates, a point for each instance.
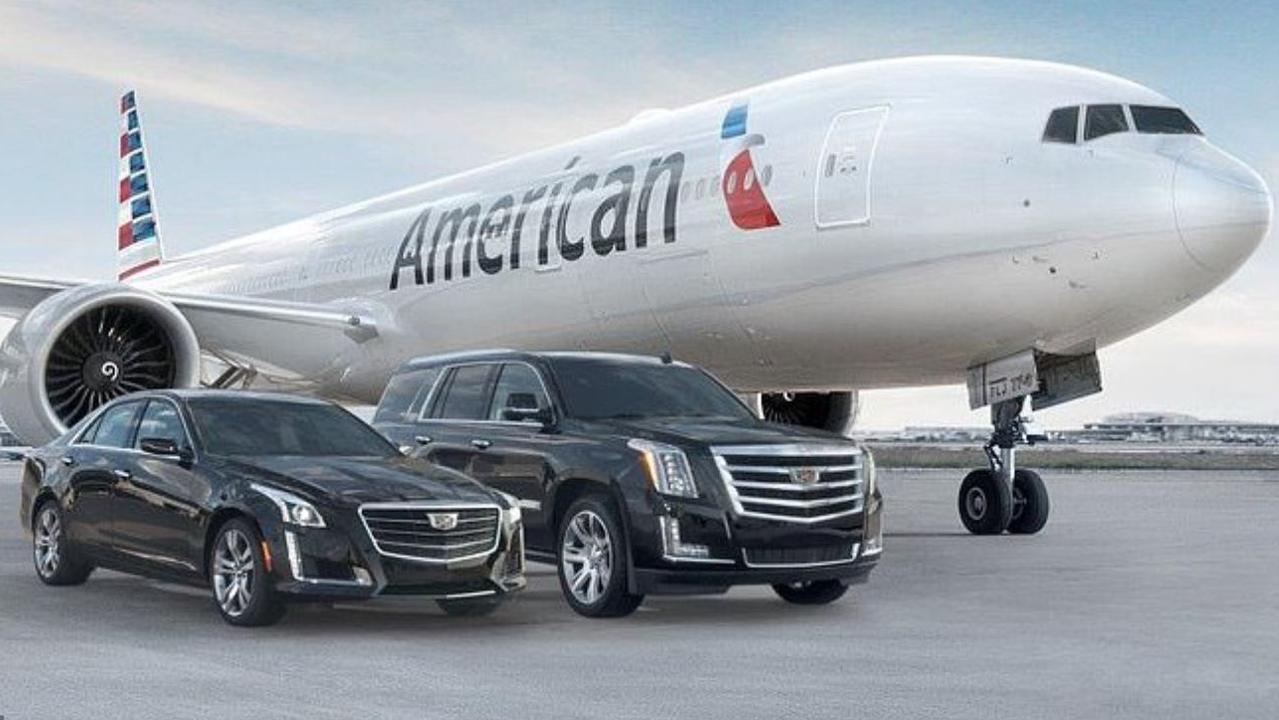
(1150, 594)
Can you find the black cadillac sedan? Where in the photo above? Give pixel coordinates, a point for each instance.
(264, 499)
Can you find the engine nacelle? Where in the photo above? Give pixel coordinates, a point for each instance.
(832, 411)
(86, 346)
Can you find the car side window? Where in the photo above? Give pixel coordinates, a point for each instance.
(161, 421)
(467, 394)
(116, 427)
(405, 396)
(87, 435)
(519, 386)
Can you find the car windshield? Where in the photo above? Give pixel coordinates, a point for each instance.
(248, 427)
(595, 389)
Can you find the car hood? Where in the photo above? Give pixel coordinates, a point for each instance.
(678, 431)
(353, 481)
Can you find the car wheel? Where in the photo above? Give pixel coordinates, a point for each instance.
(593, 561)
(469, 608)
(56, 562)
(241, 585)
(815, 592)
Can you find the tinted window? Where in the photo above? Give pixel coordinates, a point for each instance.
(466, 397)
(515, 386)
(243, 427)
(116, 427)
(405, 394)
(1104, 120)
(87, 435)
(1063, 125)
(596, 389)
(161, 421)
(1163, 121)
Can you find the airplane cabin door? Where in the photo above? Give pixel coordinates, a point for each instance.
(842, 191)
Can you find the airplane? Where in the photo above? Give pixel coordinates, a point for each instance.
(903, 222)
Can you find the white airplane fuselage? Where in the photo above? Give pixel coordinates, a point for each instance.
(914, 224)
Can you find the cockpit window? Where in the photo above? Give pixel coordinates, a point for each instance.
(1063, 125)
(1104, 120)
(1163, 121)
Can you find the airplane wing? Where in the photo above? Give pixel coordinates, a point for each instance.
(19, 294)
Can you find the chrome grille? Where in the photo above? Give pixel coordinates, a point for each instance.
(405, 531)
(793, 483)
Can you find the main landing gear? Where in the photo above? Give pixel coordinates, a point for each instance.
(1004, 497)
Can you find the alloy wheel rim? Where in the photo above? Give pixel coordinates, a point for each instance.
(233, 573)
(48, 543)
(586, 557)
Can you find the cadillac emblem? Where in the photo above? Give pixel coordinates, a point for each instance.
(805, 475)
(442, 521)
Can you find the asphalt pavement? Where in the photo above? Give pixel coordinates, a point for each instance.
(1150, 594)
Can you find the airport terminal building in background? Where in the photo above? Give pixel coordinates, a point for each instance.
(1136, 427)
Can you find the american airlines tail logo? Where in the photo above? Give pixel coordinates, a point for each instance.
(743, 191)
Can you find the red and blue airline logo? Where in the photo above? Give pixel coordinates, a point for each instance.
(743, 191)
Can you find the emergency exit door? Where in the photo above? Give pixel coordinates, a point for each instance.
(844, 168)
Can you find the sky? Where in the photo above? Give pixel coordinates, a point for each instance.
(259, 113)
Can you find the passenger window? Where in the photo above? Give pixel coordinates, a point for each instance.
(1104, 120)
(116, 428)
(161, 421)
(466, 397)
(1063, 125)
(516, 387)
(405, 396)
(87, 435)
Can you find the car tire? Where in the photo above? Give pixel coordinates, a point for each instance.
(593, 560)
(1030, 503)
(469, 608)
(815, 592)
(985, 503)
(243, 590)
(56, 561)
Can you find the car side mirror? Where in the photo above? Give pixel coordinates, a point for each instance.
(163, 446)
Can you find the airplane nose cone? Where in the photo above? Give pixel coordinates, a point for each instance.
(1223, 208)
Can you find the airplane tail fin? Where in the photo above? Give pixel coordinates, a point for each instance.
(138, 232)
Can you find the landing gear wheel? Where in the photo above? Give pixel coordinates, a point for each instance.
(1030, 503)
(592, 560)
(56, 562)
(469, 608)
(985, 503)
(816, 592)
(237, 571)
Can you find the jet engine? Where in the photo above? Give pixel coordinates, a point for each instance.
(86, 346)
(833, 411)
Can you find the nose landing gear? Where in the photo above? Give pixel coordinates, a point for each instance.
(1003, 497)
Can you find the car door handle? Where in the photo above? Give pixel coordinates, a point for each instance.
(423, 439)
(481, 444)
(68, 460)
(122, 474)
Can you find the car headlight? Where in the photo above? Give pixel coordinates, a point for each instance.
(293, 509)
(667, 468)
(868, 467)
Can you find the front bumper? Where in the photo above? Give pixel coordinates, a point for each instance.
(746, 551)
(340, 562)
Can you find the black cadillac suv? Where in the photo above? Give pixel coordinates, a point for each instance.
(641, 475)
